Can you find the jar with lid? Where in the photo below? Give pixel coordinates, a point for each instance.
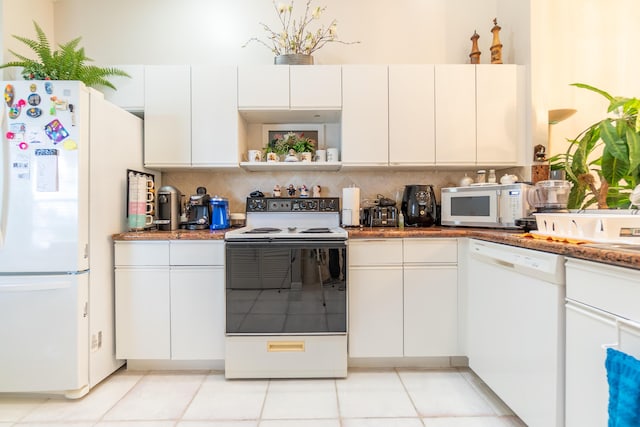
(492, 176)
(481, 176)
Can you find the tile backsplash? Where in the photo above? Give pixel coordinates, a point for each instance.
(236, 184)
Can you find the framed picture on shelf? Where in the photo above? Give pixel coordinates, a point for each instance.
(271, 132)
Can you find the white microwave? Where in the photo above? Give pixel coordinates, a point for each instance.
(485, 205)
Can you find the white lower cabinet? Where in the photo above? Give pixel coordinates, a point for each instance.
(197, 302)
(403, 298)
(602, 311)
(430, 297)
(430, 311)
(143, 313)
(375, 311)
(170, 300)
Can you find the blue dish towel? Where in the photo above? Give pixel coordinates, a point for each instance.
(623, 375)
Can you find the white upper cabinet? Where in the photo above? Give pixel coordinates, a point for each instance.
(284, 87)
(411, 115)
(167, 116)
(455, 114)
(315, 87)
(217, 137)
(500, 119)
(191, 117)
(365, 115)
(479, 114)
(263, 87)
(129, 93)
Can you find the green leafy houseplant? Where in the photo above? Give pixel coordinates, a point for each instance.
(304, 145)
(618, 167)
(281, 144)
(67, 63)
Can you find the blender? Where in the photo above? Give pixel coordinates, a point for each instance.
(548, 196)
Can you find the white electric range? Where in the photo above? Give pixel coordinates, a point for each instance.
(286, 290)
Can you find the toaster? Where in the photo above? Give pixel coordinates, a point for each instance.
(380, 216)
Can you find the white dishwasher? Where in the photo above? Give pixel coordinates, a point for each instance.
(515, 328)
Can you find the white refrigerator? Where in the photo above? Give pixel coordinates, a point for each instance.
(63, 161)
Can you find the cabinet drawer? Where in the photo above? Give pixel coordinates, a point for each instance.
(609, 288)
(141, 253)
(375, 252)
(197, 253)
(430, 251)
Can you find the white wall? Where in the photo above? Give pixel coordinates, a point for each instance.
(213, 31)
(590, 41)
(586, 41)
(16, 17)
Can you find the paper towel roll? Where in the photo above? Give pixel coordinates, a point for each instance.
(351, 206)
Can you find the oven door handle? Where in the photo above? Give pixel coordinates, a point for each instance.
(287, 243)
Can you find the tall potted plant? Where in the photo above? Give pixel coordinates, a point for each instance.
(296, 41)
(608, 179)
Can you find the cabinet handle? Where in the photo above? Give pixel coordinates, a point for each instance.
(288, 346)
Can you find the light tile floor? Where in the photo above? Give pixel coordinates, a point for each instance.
(366, 398)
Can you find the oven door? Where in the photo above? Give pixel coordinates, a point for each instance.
(472, 208)
(276, 287)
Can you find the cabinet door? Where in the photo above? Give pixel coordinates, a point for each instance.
(214, 116)
(129, 93)
(411, 115)
(499, 122)
(455, 94)
(263, 87)
(365, 109)
(142, 313)
(587, 390)
(430, 311)
(167, 116)
(197, 313)
(316, 87)
(375, 312)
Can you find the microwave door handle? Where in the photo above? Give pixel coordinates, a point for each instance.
(498, 206)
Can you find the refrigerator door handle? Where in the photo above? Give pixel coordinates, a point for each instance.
(4, 182)
(27, 287)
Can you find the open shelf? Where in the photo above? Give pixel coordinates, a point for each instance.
(290, 166)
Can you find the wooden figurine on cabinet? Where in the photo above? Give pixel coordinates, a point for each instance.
(475, 52)
(496, 46)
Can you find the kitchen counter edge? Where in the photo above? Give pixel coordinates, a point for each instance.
(509, 237)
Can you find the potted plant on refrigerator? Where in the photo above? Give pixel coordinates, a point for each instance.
(67, 63)
(607, 179)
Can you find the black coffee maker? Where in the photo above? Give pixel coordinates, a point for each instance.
(419, 205)
(199, 210)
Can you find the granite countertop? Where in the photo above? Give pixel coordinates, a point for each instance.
(630, 259)
(171, 235)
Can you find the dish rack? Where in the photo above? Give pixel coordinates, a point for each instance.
(603, 226)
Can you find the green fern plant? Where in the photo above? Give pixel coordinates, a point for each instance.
(67, 63)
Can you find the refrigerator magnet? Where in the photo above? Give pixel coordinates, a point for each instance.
(69, 144)
(55, 131)
(34, 112)
(34, 99)
(14, 112)
(9, 95)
